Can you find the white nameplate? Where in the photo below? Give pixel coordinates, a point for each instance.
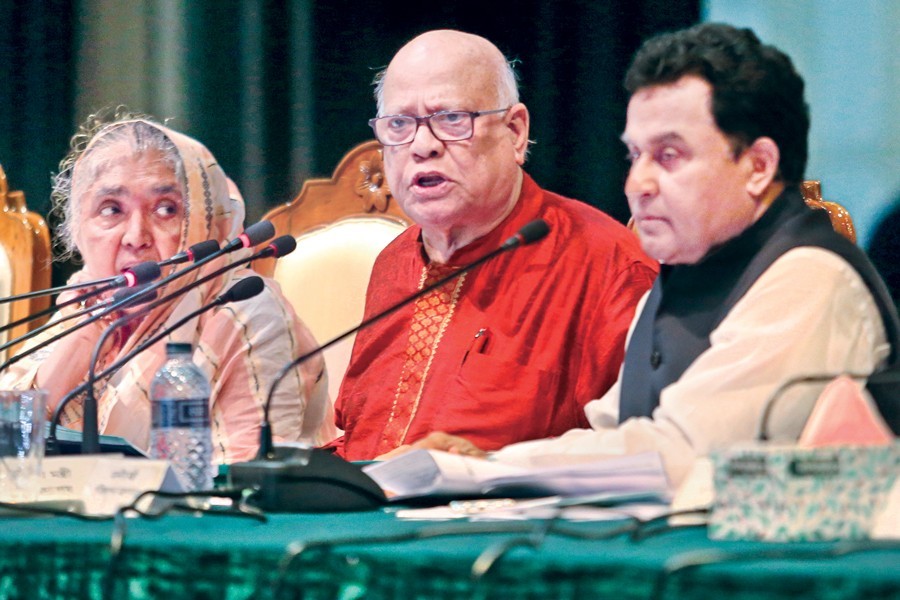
(104, 483)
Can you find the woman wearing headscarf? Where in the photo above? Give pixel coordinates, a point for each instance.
(133, 191)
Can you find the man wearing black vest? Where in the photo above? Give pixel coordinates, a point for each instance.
(755, 289)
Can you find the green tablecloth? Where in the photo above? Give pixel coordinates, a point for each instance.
(183, 556)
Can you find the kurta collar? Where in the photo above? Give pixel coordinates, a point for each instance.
(527, 208)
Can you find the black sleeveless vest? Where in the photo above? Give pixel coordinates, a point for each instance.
(687, 302)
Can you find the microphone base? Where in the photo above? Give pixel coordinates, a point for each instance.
(306, 480)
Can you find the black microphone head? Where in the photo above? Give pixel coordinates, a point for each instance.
(134, 295)
(202, 250)
(534, 231)
(282, 245)
(252, 236)
(528, 234)
(257, 234)
(243, 289)
(194, 253)
(139, 274)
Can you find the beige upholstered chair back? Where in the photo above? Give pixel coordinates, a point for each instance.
(341, 224)
(25, 241)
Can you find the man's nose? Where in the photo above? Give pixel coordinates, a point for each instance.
(424, 143)
(642, 179)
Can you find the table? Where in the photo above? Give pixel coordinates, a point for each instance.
(227, 557)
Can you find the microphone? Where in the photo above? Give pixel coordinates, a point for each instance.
(313, 480)
(142, 272)
(253, 235)
(204, 252)
(139, 275)
(769, 406)
(130, 293)
(90, 441)
(133, 297)
(528, 234)
(280, 246)
(192, 254)
(883, 385)
(842, 465)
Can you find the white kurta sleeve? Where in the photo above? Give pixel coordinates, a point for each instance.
(809, 313)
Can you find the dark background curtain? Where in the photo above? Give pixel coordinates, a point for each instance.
(279, 91)
(38, 89)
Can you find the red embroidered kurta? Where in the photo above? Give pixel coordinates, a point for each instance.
(510, 351)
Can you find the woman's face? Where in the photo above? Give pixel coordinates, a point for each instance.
(131, 212)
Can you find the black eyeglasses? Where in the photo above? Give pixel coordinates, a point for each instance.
(445, 125)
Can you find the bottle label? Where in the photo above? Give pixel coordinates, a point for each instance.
(180, 412)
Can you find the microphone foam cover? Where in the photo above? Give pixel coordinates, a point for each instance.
(144, 272)
(283, 245)
(244, 289)
(257, 233)
(134, 295)
(203, 249)
(534, 231)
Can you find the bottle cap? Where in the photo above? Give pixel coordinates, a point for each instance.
(178, 348)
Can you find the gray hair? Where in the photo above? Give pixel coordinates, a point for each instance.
(70, 183)
(507, 86)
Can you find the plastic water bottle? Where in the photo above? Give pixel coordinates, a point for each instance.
(180, 434)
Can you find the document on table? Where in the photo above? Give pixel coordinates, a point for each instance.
(432, 473)
(594, 507)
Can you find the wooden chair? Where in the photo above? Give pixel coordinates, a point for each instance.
(840, 218)
(341, 224)
(26, 257)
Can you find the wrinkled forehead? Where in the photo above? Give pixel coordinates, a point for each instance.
(124, 141)
(211, 212)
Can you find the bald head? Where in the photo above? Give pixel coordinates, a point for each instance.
(457, 190)
(468, 60)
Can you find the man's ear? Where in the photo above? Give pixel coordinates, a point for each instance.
(763, 157)
(517, 121)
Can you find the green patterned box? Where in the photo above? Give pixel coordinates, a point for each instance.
(790, 494)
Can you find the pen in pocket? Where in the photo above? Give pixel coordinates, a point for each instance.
(479, 342)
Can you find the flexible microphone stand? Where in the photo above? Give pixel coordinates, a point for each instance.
(280, 482)
(90, 435)
(531, 232)
(62, 288)
(131, 293)
(279, 247)
(769, 406)
(195, 252)
(136, 276)
(142, 273)
(253, 235)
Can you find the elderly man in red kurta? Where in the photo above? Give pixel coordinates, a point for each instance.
(514, 349)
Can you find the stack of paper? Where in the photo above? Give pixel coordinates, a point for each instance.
(426, 473)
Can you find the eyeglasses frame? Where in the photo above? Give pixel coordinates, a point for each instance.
(473, 114)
